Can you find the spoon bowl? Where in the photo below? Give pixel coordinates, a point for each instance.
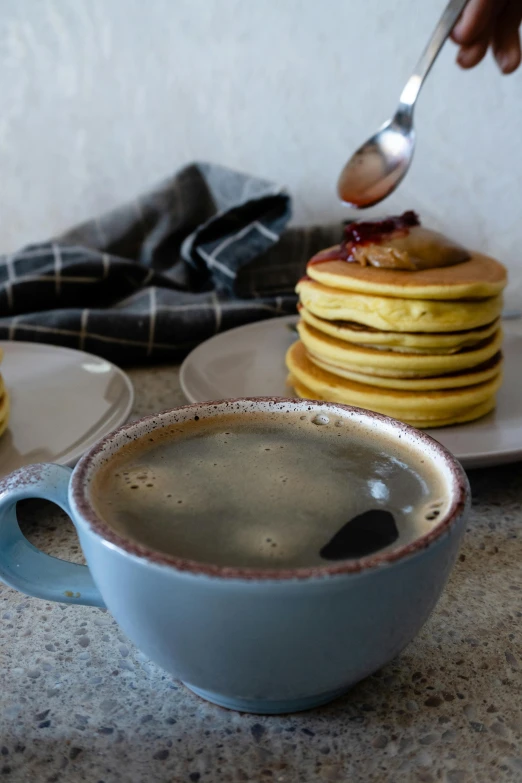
(377, 167)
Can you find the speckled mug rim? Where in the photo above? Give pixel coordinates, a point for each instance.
(457, 488)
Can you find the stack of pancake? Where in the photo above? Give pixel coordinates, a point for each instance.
(400, 320)
(4, 403)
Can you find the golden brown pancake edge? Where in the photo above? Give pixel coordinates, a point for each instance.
(478, 278)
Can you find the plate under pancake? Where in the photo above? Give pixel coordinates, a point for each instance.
(61, 402)
(5, 408)
(248, 361)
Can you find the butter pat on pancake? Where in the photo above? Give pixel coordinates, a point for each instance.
(478, 278)
(395, 314)
(414, 342)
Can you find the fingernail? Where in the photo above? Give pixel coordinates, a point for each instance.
(506, 62)
(457, 32)
(462, 60)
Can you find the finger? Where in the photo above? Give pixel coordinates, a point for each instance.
(476, 18)
(506, 37)
(469, 56)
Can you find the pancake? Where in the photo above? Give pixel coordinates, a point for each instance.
(392, 364)
(402, 320)
(483, 372)
(409, 342)
(477, 278)
(395, 314)
(426, 409)
(470, 415)
(4, 412)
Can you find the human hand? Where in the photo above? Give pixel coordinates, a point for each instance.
(485, 23)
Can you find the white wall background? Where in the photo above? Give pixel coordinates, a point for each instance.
(102, 98)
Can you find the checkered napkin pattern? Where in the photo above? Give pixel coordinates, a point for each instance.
(207, 250)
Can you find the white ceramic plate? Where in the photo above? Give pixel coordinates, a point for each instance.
(249, 362)
(62, 402)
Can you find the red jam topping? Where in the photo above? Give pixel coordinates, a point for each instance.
(399, 243)
(364, 233)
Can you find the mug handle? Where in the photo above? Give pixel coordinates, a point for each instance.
(22, 565)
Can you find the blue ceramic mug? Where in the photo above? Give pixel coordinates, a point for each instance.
(253, 640)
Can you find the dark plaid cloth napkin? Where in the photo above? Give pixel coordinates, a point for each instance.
(205, 251)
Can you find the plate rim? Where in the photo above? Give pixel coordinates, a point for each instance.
(468, 460)
(126, 411)
(244, 327)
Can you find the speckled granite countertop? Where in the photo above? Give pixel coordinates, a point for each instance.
(79, 703)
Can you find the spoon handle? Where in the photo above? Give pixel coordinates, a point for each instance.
(445, 26)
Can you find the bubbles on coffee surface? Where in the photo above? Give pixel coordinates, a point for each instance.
(137, 478)
(253, 492)
(262, 541)
(434, 510)
(320, 419)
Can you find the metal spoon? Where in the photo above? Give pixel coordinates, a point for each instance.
(380, 164)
